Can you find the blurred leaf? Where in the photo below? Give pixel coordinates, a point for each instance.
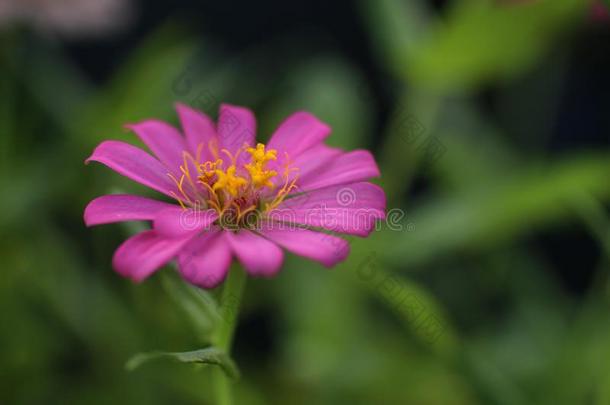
(506, 356)
(494, 381)
(518, 201)
(199, 305)
(396, 27)
(211, 356)
(477, 41)
(480, 41)
(418, 309)
(52, 80)
(320, 308)
(413, 121)
(596, 218)
(583, 344)
(142, 88)
(331, 325)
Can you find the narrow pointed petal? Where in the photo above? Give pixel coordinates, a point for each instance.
(176, 222)
(205, 261)
(122, 207)
(314, 158)
(134, 163)
(199, 130)
(324, 248)
(298, 133)
(259, 256)
(236, 127)
(163, 140)
(350, 167)
(308, 163)
(352, 209)
(141, 255)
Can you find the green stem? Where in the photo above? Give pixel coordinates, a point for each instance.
(229, 309)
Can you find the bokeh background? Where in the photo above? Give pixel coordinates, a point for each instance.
(490, 121)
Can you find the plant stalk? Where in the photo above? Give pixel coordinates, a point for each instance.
(222, 338)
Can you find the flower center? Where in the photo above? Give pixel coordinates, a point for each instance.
(241, 191)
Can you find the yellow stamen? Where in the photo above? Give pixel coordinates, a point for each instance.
(186, 173)
(180, 186)
(288, 186)
(224, 189)
(198, 154)
(178, 199)
(213, 147)
(229, 181)
(261, 177)
(232, 158)
(260, 156)
(207, 170)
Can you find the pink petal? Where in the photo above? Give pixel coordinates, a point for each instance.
(298, 133)
(351, 209)
(163, 140)
(205, 260)
(135, 164)
(122, 207)
(259, 256)
(326, 249)
(350, 167)
(198, 128)
(139, 256)
(314, 158)
(236, 127)
(309, 162)
(176, 222)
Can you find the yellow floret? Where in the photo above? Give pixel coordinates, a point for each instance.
(229, 181)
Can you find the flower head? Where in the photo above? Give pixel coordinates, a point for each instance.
(236, 198)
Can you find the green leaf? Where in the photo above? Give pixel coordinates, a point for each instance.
(413, 121)
(418, 309)
(396, 27)
(59, 86)
(211, 356)
(480, 41)
(199, 305)
(517, 202)
(415, 306)
(142, 87)
(594, 216)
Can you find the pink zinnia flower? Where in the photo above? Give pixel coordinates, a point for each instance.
(236, 198)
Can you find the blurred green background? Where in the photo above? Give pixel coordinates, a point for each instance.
(490, 121)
